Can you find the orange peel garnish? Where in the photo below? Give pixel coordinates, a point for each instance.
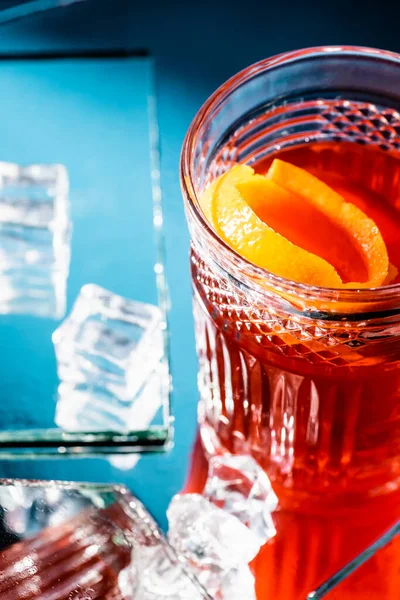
(362, 230)
(294, 225)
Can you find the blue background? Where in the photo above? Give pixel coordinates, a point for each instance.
(91, 116)
(196, 47)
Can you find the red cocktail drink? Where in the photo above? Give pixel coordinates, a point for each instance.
(303, 377)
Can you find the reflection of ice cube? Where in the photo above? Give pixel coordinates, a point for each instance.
(240, 486)
(34, 196)
(109, 343)
(34, 239)
(82, 407)
(215, 544)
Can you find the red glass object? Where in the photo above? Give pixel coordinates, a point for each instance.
(305, 379)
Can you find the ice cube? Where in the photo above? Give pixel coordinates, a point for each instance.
(159, 575)
(109, 343)
(238, 485)
(208, 536)
(84, 407)
(215, 544)
(238, 584)
(34, 239)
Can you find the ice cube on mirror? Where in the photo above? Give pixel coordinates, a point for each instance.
(83, 407)
(109, 343)
(239, 485)
(60, 541)
(35, 235)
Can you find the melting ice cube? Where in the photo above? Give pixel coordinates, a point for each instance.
(215, 544)
(238, 584)
(159, 575)
(240, 486)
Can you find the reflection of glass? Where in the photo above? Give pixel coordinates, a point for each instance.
(34, 239)
(63, 541)
(306, 379)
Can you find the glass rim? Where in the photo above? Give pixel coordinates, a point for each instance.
(262, 279)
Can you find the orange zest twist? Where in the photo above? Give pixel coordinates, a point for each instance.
(294, 225)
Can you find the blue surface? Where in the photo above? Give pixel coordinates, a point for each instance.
(90, 115)
(196, 48)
